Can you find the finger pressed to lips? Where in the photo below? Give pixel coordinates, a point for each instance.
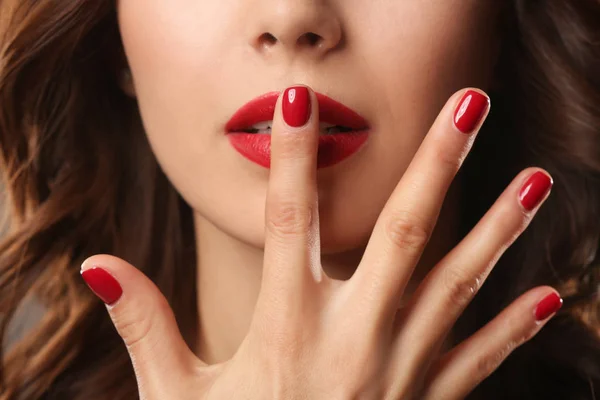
(408, 218)
(292, 246)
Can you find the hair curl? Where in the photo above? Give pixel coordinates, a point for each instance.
(81, 179)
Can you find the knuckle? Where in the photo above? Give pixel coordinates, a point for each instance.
(461, 287)
(407, 232)
(288, 218)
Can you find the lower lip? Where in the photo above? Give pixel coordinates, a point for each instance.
(256, 147)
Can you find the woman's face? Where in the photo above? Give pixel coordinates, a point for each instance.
(196, 62)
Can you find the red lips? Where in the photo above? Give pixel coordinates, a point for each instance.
(333, 148)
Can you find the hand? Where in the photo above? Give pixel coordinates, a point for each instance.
(313, 337)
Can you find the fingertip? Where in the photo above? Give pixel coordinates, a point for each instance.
(547, 305)
(109, 276)
(471, 110)
(535, 187)
(142, 317)
(102, 283)
(297, 106)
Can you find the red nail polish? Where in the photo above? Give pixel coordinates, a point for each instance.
(296, 106)
(470, 110)
(534, 190)
(548, 306)
(103, 284)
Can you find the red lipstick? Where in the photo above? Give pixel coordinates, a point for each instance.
(333, 148)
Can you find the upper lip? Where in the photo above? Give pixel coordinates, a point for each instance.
(262, 109)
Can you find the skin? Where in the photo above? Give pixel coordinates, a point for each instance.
(193, 65)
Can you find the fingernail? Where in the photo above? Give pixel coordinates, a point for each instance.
(470, 110)
(103, 284)
(534, 190)
(548, 306)
(296, 106)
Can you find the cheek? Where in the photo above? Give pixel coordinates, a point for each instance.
(420, 55)
(169, 46)
(166, 44)
(180, 55)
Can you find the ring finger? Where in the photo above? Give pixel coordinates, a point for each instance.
(454, 281)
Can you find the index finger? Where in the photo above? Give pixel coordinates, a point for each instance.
(292, 243)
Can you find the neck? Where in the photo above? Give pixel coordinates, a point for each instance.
(229, 278)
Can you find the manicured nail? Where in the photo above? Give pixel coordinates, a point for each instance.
(548, 306)
(103, 284)
(470, 110)
(296, 106)
(534, 190)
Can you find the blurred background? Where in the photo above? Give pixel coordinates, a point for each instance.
(29, 311)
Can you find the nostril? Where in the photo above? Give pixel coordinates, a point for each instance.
(309, 38)
(267, 39)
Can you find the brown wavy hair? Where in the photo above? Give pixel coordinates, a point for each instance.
(80, 179)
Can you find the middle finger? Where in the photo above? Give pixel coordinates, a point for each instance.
(406, 222)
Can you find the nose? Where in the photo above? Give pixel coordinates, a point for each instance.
(296, 26)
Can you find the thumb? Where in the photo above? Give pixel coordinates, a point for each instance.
(142, 317)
